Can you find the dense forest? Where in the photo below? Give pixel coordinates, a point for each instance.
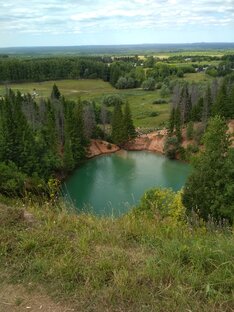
(39, 141)
(121, 72)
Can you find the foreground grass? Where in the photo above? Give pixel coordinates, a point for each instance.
(134, 263)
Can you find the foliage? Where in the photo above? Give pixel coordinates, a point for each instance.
(125, 83)
(164, 91)
(189, 131)
(160, 101)
(52, 68)
(149, 84)
(162, 203)
(171, 147)
(12, 181)
(123, 129)
(129, 128)
(55, 94)
(210, 189)
(112, 100)
(41, 139)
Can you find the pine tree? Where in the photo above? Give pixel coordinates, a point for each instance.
(78, 140)
(117, 134)
(129, 129)
(210, 189)
(68, 159)
(222, 106)
(197, 110)
(171, 124)
(48, 148)
(178, 124)
(231, 103)
(17, 137)
(185, 104)
(206, 112)
(55, 94)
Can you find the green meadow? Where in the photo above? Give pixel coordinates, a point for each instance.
(141, 101)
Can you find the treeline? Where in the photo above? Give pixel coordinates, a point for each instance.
(122, 72)
(40, 141)
(191, 104)
(17, 70)
(195, 104)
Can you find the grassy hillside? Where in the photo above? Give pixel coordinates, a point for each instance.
(139, 100)
(139, 262)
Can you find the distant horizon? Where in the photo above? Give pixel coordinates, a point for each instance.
(119, 44)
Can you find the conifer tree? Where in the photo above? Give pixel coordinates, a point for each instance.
(197, 110)
(68, 159)
(178, 124)
(210, 189)
(222, 105)
(78, 140)
(171, 124)
(55, 94)
(129, 129)
(117, 134)
(17, 137)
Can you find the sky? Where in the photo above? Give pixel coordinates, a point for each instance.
(105, 22)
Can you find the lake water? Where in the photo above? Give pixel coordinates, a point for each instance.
(110, 184)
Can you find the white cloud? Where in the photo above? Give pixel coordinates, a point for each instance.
(57, 16)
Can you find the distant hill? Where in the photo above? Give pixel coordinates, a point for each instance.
(116, 49)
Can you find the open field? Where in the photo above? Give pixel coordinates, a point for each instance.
(139, 100)
(218, 53)
(198, 77)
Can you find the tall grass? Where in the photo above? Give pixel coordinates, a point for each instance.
(138, 262)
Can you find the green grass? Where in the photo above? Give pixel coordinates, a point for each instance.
(134, 263)
(139, 100)
(198, 77)
(218, 53)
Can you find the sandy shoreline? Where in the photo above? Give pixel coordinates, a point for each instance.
(153, 142)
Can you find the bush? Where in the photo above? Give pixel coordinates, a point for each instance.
(153, 114)
(171, 147)
(12, 181)
(162, 203)
(165, 91)
(149, 84)
(192, 148)
(180, 74)
(112, 100)
(160, 101)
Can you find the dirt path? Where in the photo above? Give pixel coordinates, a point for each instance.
(15, 298)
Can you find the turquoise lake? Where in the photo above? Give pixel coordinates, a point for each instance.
(111, 184)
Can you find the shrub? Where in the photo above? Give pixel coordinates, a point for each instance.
(162, 203)
(171, 147)
(153, 114)
(160, 101)
(112, 100)
(149, 84)
(12, 181)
